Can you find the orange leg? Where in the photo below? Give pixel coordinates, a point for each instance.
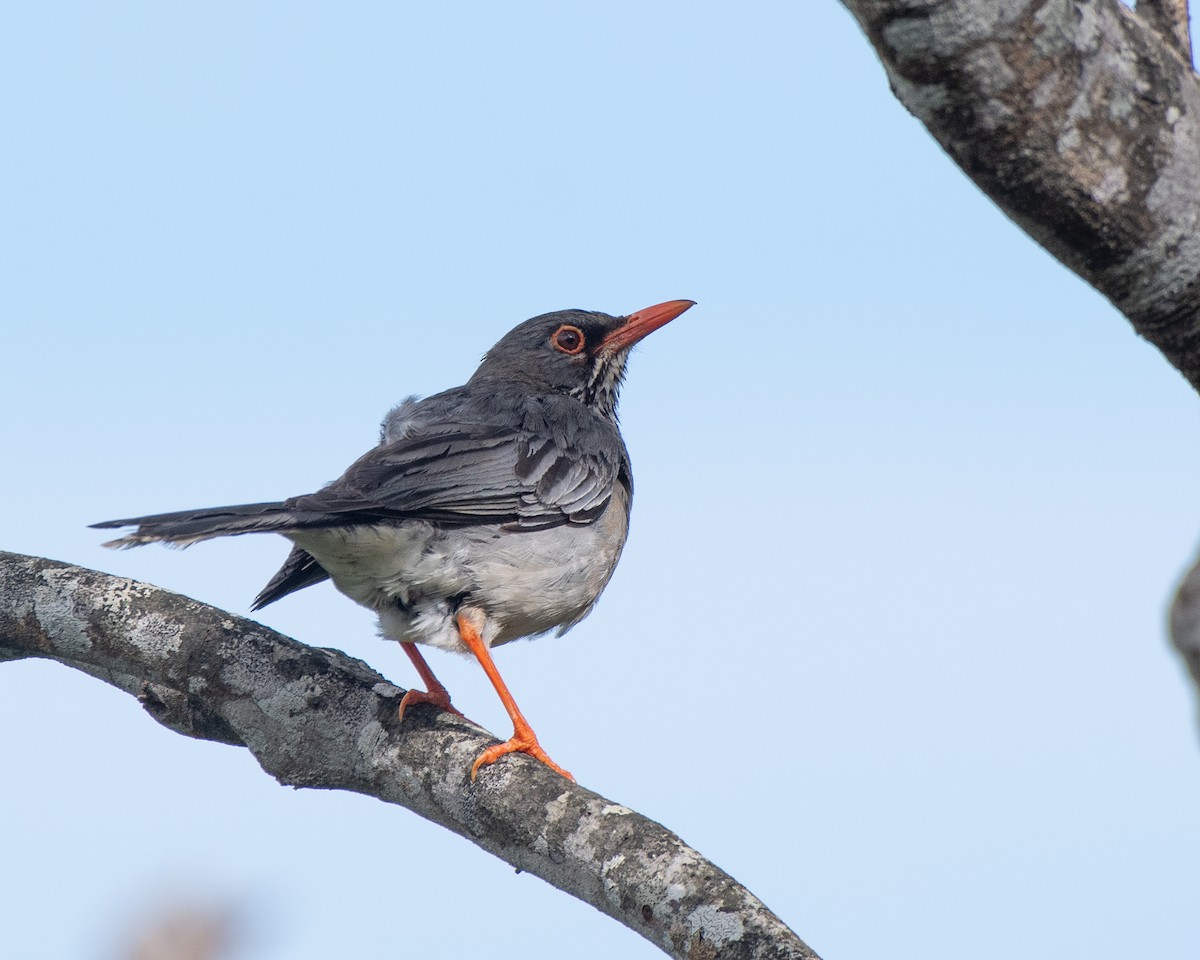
(433, 693)
(523, 739)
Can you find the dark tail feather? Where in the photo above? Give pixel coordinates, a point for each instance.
(300, 570)
(191, 526)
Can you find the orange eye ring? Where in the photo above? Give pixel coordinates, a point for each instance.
(568, 339)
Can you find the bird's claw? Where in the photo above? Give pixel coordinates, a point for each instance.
(439, 698)
(517, 744)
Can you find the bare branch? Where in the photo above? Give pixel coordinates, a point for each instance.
(1081, 120)
(1170, 18)
(319, 718)
(1082, 123)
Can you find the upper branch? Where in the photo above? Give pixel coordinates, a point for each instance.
(1081, 122)
(1171, 19)
(319, 718)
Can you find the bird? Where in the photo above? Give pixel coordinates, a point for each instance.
(489, 512)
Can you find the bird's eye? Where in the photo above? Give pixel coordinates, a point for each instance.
(568, 339)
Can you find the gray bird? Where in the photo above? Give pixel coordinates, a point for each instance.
(492, 511)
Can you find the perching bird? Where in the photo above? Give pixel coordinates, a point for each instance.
(492, 511)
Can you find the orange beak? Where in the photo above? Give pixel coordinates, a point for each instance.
(643, 323)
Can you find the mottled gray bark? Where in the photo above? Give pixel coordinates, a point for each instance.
(319, 718)
(1170, 18)
(1081, 120)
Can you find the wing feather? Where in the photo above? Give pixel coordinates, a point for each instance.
(546, 461)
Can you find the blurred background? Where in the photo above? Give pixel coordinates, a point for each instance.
(887, 642)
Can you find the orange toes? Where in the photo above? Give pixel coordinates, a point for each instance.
(439, 698)
(517, 744)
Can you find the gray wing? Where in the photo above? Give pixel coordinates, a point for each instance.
(505, 458)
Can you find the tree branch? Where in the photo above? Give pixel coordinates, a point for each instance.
(1170, 18)
(319, 718)
(1081, 120)
(1081, 123)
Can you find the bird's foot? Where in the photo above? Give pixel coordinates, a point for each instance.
(438, 696)
(523, 741)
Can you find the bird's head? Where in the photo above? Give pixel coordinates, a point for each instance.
(576, 352)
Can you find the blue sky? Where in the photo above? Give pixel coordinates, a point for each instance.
(887, 642)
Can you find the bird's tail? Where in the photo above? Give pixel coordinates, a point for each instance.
(191, 526)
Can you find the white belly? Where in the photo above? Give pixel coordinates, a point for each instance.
(417, 576)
